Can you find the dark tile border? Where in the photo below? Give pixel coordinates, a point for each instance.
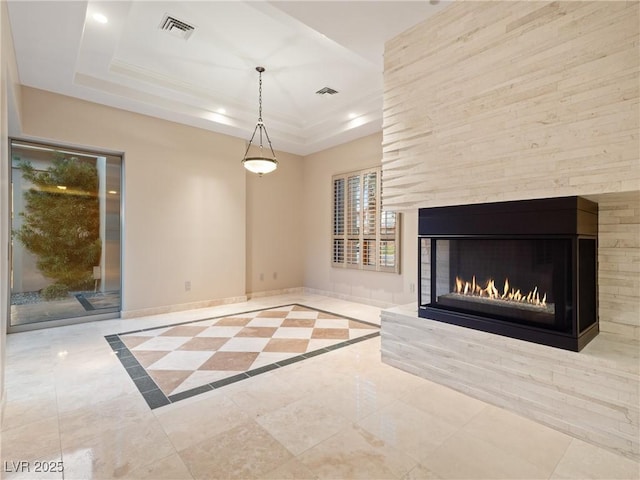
(85, 303)
(156, 398)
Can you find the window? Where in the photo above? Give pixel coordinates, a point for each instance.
(65, 245)
(364, 236)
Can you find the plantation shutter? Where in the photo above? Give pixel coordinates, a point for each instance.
(363, 235)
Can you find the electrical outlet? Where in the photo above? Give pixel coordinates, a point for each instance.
(187, 286)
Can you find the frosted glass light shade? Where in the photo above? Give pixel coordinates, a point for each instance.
(260, 165)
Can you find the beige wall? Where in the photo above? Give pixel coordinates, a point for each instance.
(376, 288)
(192, 214)
(274, 237)
(184, 190)
(9, 94)
(490, 101)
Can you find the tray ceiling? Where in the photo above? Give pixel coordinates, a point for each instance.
(200, 69)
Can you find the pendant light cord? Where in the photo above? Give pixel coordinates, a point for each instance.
(260, 96)
(260, 125)
(260, 122)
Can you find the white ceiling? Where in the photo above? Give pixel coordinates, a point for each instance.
(209, 80)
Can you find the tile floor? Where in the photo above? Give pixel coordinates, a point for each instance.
(340, 415)
(178, 361)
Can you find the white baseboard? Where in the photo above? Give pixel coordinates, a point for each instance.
(143, 312)
(271, 293)
(350, 298)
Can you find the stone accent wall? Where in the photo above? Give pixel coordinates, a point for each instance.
(490, 101)
(619, 264)
(494, 101)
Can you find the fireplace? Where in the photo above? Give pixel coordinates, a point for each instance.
(524, 269)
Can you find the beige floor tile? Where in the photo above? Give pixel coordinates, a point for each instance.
(26, 410)
(265, 322)
(291, 470)
(518, 436)
(230, 361)
(358, 359)
(146, 358)
(273, 314)
(408, 429)
(392, 380)
(93, 393)
(302, 424)
(203, 343)
(257, 332)
(188, 360)
(354, 400)
(188, 423)
(420, 472)
(169, 380)
(89, 390)
(447, 404)
(86, 422)
(22, 447)
(132, 341)
(585, 461)
(263, 393)
(309, 376)
(233, 321)
(299, 322)
(30, 386)
(465, 457)
(198, 379)
(169, 468)
(355, 454)
(332, 333)
(116, 452)
(244, 452)
(183, 331)
(292, 345)
(32, 470)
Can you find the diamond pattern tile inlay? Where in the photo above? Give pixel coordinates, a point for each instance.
(187, 359)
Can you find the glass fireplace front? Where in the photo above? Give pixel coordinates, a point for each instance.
(525, 269)
(524, 281)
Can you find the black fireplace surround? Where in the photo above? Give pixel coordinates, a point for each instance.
(525, 269)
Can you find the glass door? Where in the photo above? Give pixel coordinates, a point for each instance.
(65, 235)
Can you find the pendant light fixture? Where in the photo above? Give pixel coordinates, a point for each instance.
(260, 163)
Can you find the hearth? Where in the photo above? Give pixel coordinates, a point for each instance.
(524, 269)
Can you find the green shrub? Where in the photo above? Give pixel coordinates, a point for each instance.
(55, 291)
(61, 224)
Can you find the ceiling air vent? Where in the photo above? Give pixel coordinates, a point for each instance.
(176, 27)
(325, 90)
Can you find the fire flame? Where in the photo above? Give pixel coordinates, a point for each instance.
(491, 291)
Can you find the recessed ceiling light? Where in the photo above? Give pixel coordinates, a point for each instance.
(221, 111)
(353, 115)
(100, 18)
